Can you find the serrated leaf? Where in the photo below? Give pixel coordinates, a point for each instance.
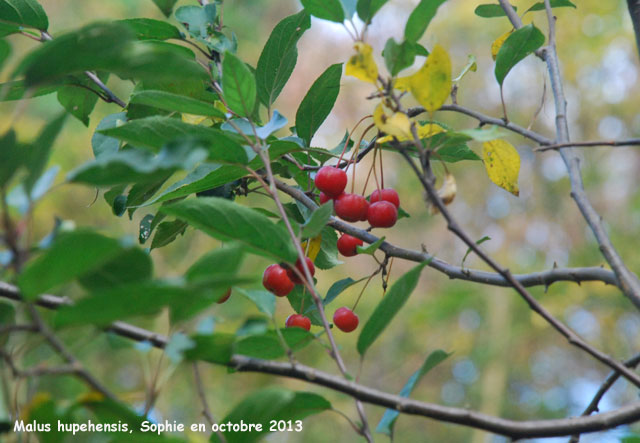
(502, 163)
(325, 9)
(272, 404)
(27, 13)
(223, 219)
(388, 420)
(362, 65)
(317, 221)
(368, 8)
(318, 102)
(431, 85)
(391, 303)
(157, 131)
(489, 11)
(176, 103)
(279, 56)
(238, 85)
(516, 47)
(420, 18)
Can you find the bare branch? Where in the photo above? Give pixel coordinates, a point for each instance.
(630, 142)
(545, 278)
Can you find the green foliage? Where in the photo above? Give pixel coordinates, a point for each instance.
(398, 56)
(368, 8)
(168, 101)
(27, 13)
(420, 18)
(238, 85)
(492, 10)
(318, 102)
(325, 9)
(387, 309)
(317, 221)
(517, 46)
(166, 6)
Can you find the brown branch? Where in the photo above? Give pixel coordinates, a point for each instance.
(515, 429)
(630, 142)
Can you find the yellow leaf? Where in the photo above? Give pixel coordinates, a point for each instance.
(447, 192)
(497, 44)
(431, 85)
(362, 65)
(193, 119)
(502, 162)
(396, 125)
(424, 131)
(314, 247)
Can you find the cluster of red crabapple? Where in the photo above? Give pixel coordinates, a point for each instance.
(381, 211)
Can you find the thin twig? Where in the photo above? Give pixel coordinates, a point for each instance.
(206, 411)
(630, 142)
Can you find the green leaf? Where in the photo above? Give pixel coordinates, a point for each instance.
(225, 260)
(198, 20)
(318, 220)
(145, 228)
(269, 404)
(105, 306)
(40, 150)
(167, 232)
(166, 6)
(7, 317)
(214, 348)
(420, 18)
(372, 248)
(102, 144)
(456, 153)
(484, 134)
(238, 85)
(5, 52)
(131, 165)
(478, 242)
(368, 8)
(142, 191)
(79, 100)
(150, 29)
(223, 219)
(176, 103)
(11, 157)
(349, 7)
(386, 424)
(111, 48)
(27, 13)
(269, 346)
(129, 266)
(489, 11)
(517, 46)
(554, 4)
(155, 132)
(398, 56)
(279, 56)
(15, 90)
(72, 255)
(391, 303)
(328, 256)
(278, 121)
(264, 300)
(325, 9)
(318, 102)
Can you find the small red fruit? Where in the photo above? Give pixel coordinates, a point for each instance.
(225, 297)
(324, 198)
(292, 275)
(298, 321)
(331, 180)
(387, 194)
(345, 319)
(351, 207)
(347, 245)
(382, 214)
(276, 280)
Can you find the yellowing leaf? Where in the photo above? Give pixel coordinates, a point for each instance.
(497, 44)
(314, 247)
(362, 65)
(431, 85)
(193, 119)
(447, 192)
(397, 124)
(424, 131)
(502, 162)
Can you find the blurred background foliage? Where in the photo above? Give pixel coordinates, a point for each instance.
(505, 360)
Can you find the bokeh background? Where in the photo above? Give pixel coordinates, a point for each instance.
(505, 360)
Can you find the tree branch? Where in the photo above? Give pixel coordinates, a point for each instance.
(630, 142)
(514, 429)
(545, 278)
